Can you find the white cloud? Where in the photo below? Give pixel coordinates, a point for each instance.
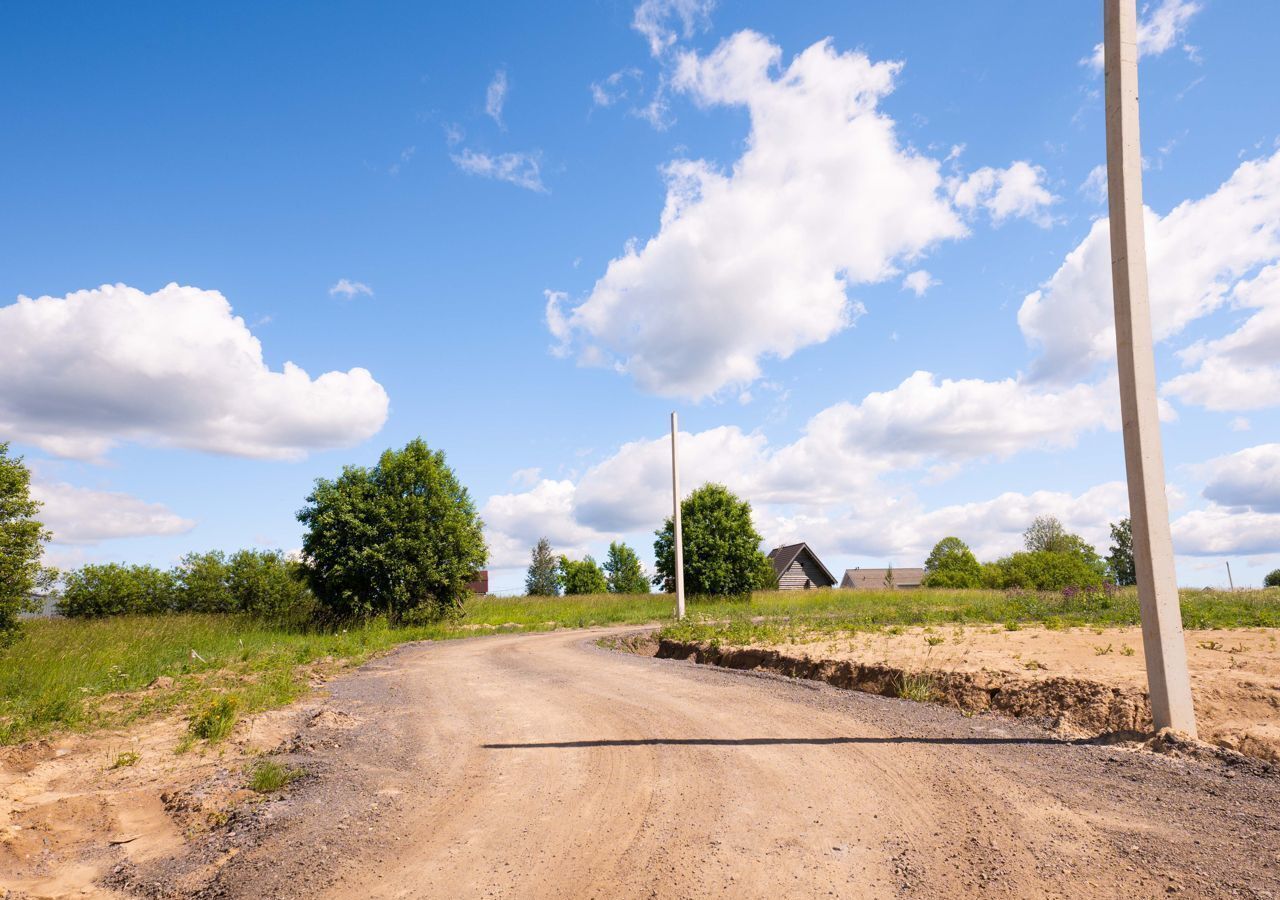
(495, 96)
(1196, 254)
(78, 515)
(1095, 185)
(175, 367)
(347, 289)
(1247, 479)
(1017, 191)
(521, 169)
(757, 261)
(515, 522)
(616, 87)
(1159, 28)
(1219, 531)
(663, 22)
(918, 282)
(1240, 423)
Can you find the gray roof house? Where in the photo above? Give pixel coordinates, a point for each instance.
(873, 579)
(799, 569)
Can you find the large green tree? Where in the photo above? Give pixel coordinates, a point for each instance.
(623, 570)
(22, 540)
(1120, 560)
(402, 537)
(543, 577)
(582, 576)
(721, 546)
(951, 564)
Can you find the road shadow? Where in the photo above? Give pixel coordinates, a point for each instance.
(777, 741)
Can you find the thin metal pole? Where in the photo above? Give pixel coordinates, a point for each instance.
(675, 505)
(1162, 641)
(1230, 581)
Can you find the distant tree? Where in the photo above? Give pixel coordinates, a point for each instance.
(623, 570)
(402, 537)
(1045, 533)
(1047, 570)
(202, 583)
(951, 564)
(543, 577)
(721, 547)
(112, 589)
(1272, 579)
(22, 540)
(888, 577)
(265, 583)
(1120, 560)
(582, 576)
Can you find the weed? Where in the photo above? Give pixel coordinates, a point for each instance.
(1099, 650)
(916, 686)
(126, 759)
(1033, 664)
(269, 776)
(1012, 625)
(1210, 645)
(1126, 650)
(934, 640)
(214, 722)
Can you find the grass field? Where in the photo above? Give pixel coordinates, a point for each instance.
(84, 674)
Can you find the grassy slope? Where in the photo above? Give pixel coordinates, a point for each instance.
(84, 674)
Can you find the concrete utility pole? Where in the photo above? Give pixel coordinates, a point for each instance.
(678, 545)
(1162, 641)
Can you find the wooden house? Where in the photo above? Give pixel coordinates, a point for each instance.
(799, 569)
(878, 579)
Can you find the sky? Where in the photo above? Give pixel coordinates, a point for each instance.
(861, 249)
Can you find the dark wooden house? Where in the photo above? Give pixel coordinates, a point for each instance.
(799, 569)
(480, 583)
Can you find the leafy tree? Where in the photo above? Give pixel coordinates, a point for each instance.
(888, 577)
(111, 589)
(951, 564)
(1120, 559)
(624, 572)
(582, 576)
(543, 577)
(202, 583)
(1272, 579)
(265, 583)
(721, 547)
(22, 540)
(1047, 570)
(1045, 533)
(401, 537)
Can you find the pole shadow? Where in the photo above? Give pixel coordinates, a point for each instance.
(779, 741)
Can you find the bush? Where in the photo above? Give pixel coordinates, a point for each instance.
(22, 540)
(584, 577)
(401, 538)
(721, 547)
(952, 564)
(202, 583)
(265, 584)
(1272, 579)
(111, 589)
(1047, 570)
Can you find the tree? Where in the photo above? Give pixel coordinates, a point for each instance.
(582, 576)
(1272, 579)
(22, 540)
(401, 537)
(888, 577)
(1047, 570)
(543, 577)
(202, 583)
(111, 589)
(265, 583)
(951, 564)
(1120, 559)
(721, 547)
(624, 572)
(1045, 533)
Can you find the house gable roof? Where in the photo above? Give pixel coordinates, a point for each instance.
(874, 578)
(782, 558)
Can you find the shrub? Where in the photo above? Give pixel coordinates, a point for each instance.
(402, 537)
(721, 547)
(22, 539)
(623, 570)
(952, 564)
(111, 589)
(265, 584)
(1047, 570)
(582, 577)
(202, 583)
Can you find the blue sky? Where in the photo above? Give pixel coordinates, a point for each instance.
(870, 273)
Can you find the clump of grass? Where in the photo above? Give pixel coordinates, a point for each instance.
(1126, 650)
(935, 640)
(213, 723)
(916, 686)
(268, 776)
(1099, 650)
(1033, 664)
(1210, 645)
(126, 759)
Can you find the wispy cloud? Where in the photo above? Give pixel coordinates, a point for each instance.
(405, 155)
(496, 96)
(1159, 28)
(521, 169)
(658, 21)
(348, 289)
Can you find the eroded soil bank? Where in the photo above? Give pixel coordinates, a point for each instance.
(1091, 681)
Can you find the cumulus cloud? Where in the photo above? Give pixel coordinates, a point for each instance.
(175, 367)
(1246, 480)
(1220, 531)
(348, 289)
(514, 523)
(521, 169)
(663, 22)
(495, 96)
(918, 282)
(757, 261)
(78, 515)
(1196, 256)
(1160, 28)
(1014, 192)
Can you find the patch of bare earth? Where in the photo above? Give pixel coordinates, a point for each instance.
(1090, 681)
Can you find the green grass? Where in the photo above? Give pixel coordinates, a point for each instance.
(268, 776)
(83, 674)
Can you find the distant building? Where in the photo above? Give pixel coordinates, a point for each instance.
(479, 584)
(799, 569)
(874, 579)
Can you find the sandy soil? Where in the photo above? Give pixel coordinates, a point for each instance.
(1235, 674)
(545, 766)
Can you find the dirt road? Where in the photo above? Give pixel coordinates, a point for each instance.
(544, 766)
